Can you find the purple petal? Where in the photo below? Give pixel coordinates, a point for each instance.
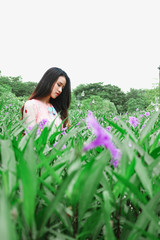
(102, 138)
(64, 147)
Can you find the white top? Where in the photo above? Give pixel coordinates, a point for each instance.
(36, 111)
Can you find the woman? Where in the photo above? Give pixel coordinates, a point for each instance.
(51, 97)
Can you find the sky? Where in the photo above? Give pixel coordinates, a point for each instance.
(110, 41)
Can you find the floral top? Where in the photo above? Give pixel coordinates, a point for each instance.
(35, 111)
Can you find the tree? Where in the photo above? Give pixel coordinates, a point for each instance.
(88, 89)
(16, 85)
(151, 94)
(108, 92)
(73, 104)
(133, 104)
(115, 95)
(96, 103)
(137, 98)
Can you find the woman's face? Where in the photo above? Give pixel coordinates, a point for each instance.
(58, 87)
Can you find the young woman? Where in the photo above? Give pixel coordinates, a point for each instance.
(50, 100)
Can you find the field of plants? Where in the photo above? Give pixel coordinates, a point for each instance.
(97, 179)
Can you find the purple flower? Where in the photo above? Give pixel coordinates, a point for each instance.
(137, 109)
(141, 115)
(78, 124)
(41, 126)
(115, 118)
(29, 128)
(55, 144)
(147, 114)
(102, 119)
(64, 147)
(88, 124)
(114, 163)
(109, 128)
(133, 121)
(38, 132)
(144, 125)
(130, 145)
(42, 123)
(102, 138)
(63, 129)
(7, 112)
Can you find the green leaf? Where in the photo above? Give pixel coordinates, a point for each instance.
(61, 236)
(27, 170)
(127, 173)
(28, 192)
(89, 180)
(53, 204)
(156, 141)
(25, 139)
(92, 225)
(147, 158)
(66, 219)
(128, 130)
(7, 228)
(8, 162)
(121, 130)
(41, 141)
(108, 233)
(156, 152)
(145, 217)
(131, 187)
(150, 124)
(143, 175)
(66, 137)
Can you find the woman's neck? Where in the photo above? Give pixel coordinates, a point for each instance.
(45, 100)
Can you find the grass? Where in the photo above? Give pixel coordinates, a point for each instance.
(62, 192)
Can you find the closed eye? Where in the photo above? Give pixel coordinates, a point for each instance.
(60, 84)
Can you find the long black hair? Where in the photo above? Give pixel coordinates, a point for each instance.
(44, 88)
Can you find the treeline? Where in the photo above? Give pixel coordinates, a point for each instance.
(16, 86)
(88, 95)
(124, 102)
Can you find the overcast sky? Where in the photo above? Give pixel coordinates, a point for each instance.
(112, 41)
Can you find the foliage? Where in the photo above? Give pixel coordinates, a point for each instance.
(123, 102)
(152, 95)
(107, 92)
(137, 98)
(88, 89)
(63, 192)
(16, 85)
(4, 89)
(94, 103)
(73, 104)
(133, 104)
(115, 95)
